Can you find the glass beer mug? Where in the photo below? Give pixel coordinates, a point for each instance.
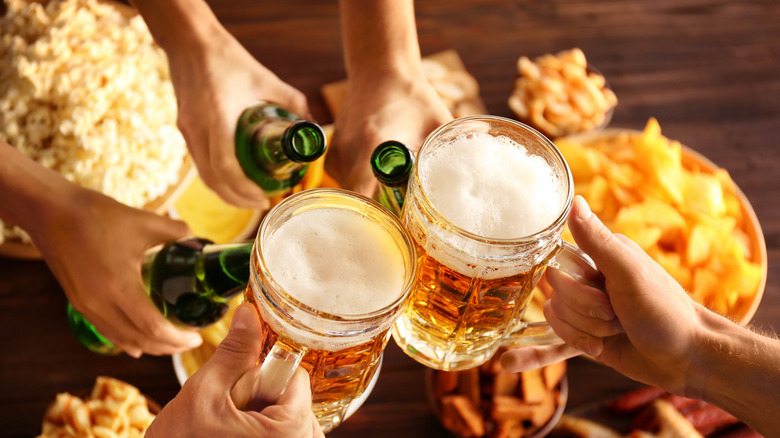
(330, 273)
(486, 206)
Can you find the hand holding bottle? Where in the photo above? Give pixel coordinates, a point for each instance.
(215, 79)
(94, 246)
(388, 96)
(206, 406)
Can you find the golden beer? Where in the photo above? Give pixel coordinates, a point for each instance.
(331, 272)
(486, 207)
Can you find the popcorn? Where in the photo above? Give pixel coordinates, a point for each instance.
(86, 92)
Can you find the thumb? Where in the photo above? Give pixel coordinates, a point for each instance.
(166, 229)
(595, 239)
(239, 351)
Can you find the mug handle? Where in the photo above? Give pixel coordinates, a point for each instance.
(267, 384)
(575, 263)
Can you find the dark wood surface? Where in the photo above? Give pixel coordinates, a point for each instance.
(709, 70)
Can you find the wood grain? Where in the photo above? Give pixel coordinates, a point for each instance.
(707, 69)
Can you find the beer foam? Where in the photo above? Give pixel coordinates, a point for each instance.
(336, 261)
(491, 186)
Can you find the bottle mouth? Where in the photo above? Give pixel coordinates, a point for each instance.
(392, 163)
(305, 141)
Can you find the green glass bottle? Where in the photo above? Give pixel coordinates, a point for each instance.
(190, 281)
(275, 147)
(392, 163)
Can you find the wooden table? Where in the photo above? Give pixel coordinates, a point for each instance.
(709, 70)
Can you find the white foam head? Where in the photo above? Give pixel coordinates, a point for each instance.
(336, 261)
(491, 186)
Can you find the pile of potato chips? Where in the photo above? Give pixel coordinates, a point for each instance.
(681, 210)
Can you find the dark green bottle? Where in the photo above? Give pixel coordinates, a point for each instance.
(190, 281)
(275, 147)
(392, 163)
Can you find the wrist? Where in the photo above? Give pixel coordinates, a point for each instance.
(380, 37)
(33, 195)
(708, 343)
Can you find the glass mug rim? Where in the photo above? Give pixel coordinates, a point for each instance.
(282, 298)
(550, 229)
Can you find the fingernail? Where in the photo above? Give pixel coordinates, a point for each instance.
(583, 209)
(241, 318)
(508, 362)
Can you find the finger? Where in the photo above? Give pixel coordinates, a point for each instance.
(293, 100)
(239, 351)
(528, 358)
(588, 301)
(593, 326)
(574, 337)
(298, 392)
(224, 175)
(596, 240)
(158, 336)
(164, 229)
(144, 330)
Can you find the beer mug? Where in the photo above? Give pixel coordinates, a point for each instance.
(331, 271)
(486, 206)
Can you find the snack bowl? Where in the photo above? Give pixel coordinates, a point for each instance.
(111, 407)
(486, 401)
(707, 184)
(561, 94)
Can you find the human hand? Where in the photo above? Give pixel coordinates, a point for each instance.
(649, 328)
(377, 108)
(214, 82)
(204, 406)
(94, 246)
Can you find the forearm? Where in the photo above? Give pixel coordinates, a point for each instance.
(179, 25)
(29, 193)
(739, 370)
(380, 37)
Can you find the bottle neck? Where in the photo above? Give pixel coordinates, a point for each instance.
(392, 163)
(226, 267)
(273, 145)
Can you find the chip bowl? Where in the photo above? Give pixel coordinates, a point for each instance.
(692, 160)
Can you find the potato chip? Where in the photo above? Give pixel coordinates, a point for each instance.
(684, 213)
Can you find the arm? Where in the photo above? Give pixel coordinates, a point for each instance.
(94, 247)
(657, 334)
(388, 97)
(214, 78)
(205, 407)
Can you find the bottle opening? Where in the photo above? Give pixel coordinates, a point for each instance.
(308, 142)
(392, 162)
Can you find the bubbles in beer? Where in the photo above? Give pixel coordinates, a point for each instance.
(491, 186)
(336, 261)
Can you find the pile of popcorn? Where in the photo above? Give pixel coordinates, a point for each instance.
(86, 92)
